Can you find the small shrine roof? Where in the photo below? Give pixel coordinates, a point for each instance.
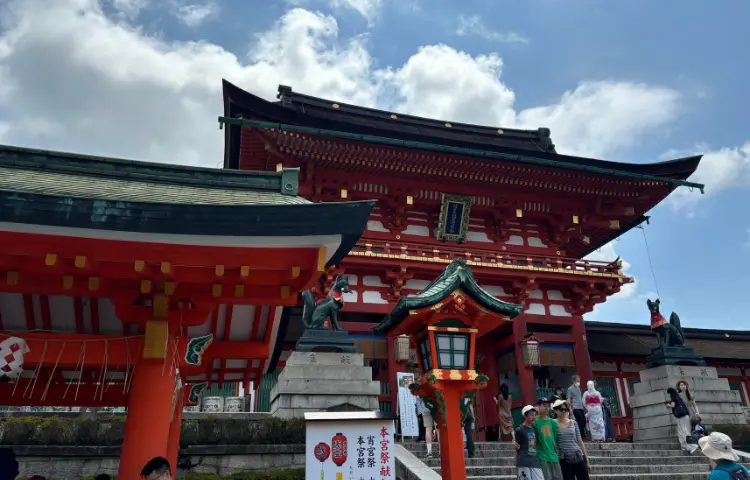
(457, 275)
(307, 111)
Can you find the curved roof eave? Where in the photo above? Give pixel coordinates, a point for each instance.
(457, 275)
(238, 101)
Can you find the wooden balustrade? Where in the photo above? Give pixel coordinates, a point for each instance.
(448, 253)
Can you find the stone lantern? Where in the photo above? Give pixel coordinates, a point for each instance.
(445, 319)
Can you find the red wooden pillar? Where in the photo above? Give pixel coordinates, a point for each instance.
(581, 351)
(525, 374)
(489, 368)
(147, 424)
(452, 458)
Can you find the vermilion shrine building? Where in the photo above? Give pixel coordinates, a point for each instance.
(136, 284)
(521, 214)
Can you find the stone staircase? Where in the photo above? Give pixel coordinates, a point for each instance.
(620, 461)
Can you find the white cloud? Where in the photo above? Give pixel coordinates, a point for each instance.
(129, 8)
(367, 8)
(719, 170)
(473, 25)
(194, 15)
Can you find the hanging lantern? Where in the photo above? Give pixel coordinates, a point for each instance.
(401, 348)
(339, 449)
(12, 351)
(530, 350)
(322, 452)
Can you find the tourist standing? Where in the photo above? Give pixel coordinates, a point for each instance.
(575, 403)
(528, 465)
(592, 402)
(546, 431)
(609, 431)
(683, 390)
(504, 402)
(718, 447)
(429, 423)
(574, 461)
(682, 415)
(157, 468)
(468, 423)
(8, 464)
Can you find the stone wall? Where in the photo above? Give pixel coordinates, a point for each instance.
(74, 463)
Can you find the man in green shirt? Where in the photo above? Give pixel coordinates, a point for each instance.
(546, 434)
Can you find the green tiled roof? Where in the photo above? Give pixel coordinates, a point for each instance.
(457, 275)
(43, 172)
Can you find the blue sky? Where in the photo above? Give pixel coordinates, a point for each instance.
(634, 81)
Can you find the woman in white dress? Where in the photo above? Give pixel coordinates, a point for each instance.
(592, 402)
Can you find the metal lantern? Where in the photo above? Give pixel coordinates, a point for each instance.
(530, 350)
(401, 348)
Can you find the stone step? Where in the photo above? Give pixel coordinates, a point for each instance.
(493, 471)
(613, 476)
(647, 458)
(589, 446)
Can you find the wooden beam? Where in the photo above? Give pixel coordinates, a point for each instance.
(100, 350)
(85, 395)
(121, 251)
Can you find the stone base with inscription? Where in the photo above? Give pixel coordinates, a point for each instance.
(322, 381)
(654, 423)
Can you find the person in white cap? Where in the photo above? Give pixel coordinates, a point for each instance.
(528, 465)
(718, 447)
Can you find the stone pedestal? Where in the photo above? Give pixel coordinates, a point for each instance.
(317, 381)
(654, 423)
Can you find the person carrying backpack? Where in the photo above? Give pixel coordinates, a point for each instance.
(718, 447)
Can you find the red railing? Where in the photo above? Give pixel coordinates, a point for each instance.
(487, 257)
(623, 427)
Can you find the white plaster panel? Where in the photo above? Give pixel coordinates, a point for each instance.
(418, 230)
(236, 363)
(555, 295)
(373, 297)
(353, 279)
(351, 296)
(478, 237)
(495, 290)
(536, 242)
(376, 226)
(62, 313)
(535, 309)
(109, 324)
(538, 294)
(372, 281)
(12, 311)
(415, 284)
(559, 311)
(242, 323)
(514, 240)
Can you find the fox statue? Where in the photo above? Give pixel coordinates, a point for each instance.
(668, 333)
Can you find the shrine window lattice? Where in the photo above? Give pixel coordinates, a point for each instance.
(452, 350)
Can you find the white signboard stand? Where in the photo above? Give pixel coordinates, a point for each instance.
(349, 446)
(407, 410)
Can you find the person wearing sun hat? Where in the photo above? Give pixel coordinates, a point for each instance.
(528, 465)
(718, 447)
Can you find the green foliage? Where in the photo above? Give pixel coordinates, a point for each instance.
(109, 431)
(740, 434)
(288, 474)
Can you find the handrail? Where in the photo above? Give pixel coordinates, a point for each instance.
(446, 253)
